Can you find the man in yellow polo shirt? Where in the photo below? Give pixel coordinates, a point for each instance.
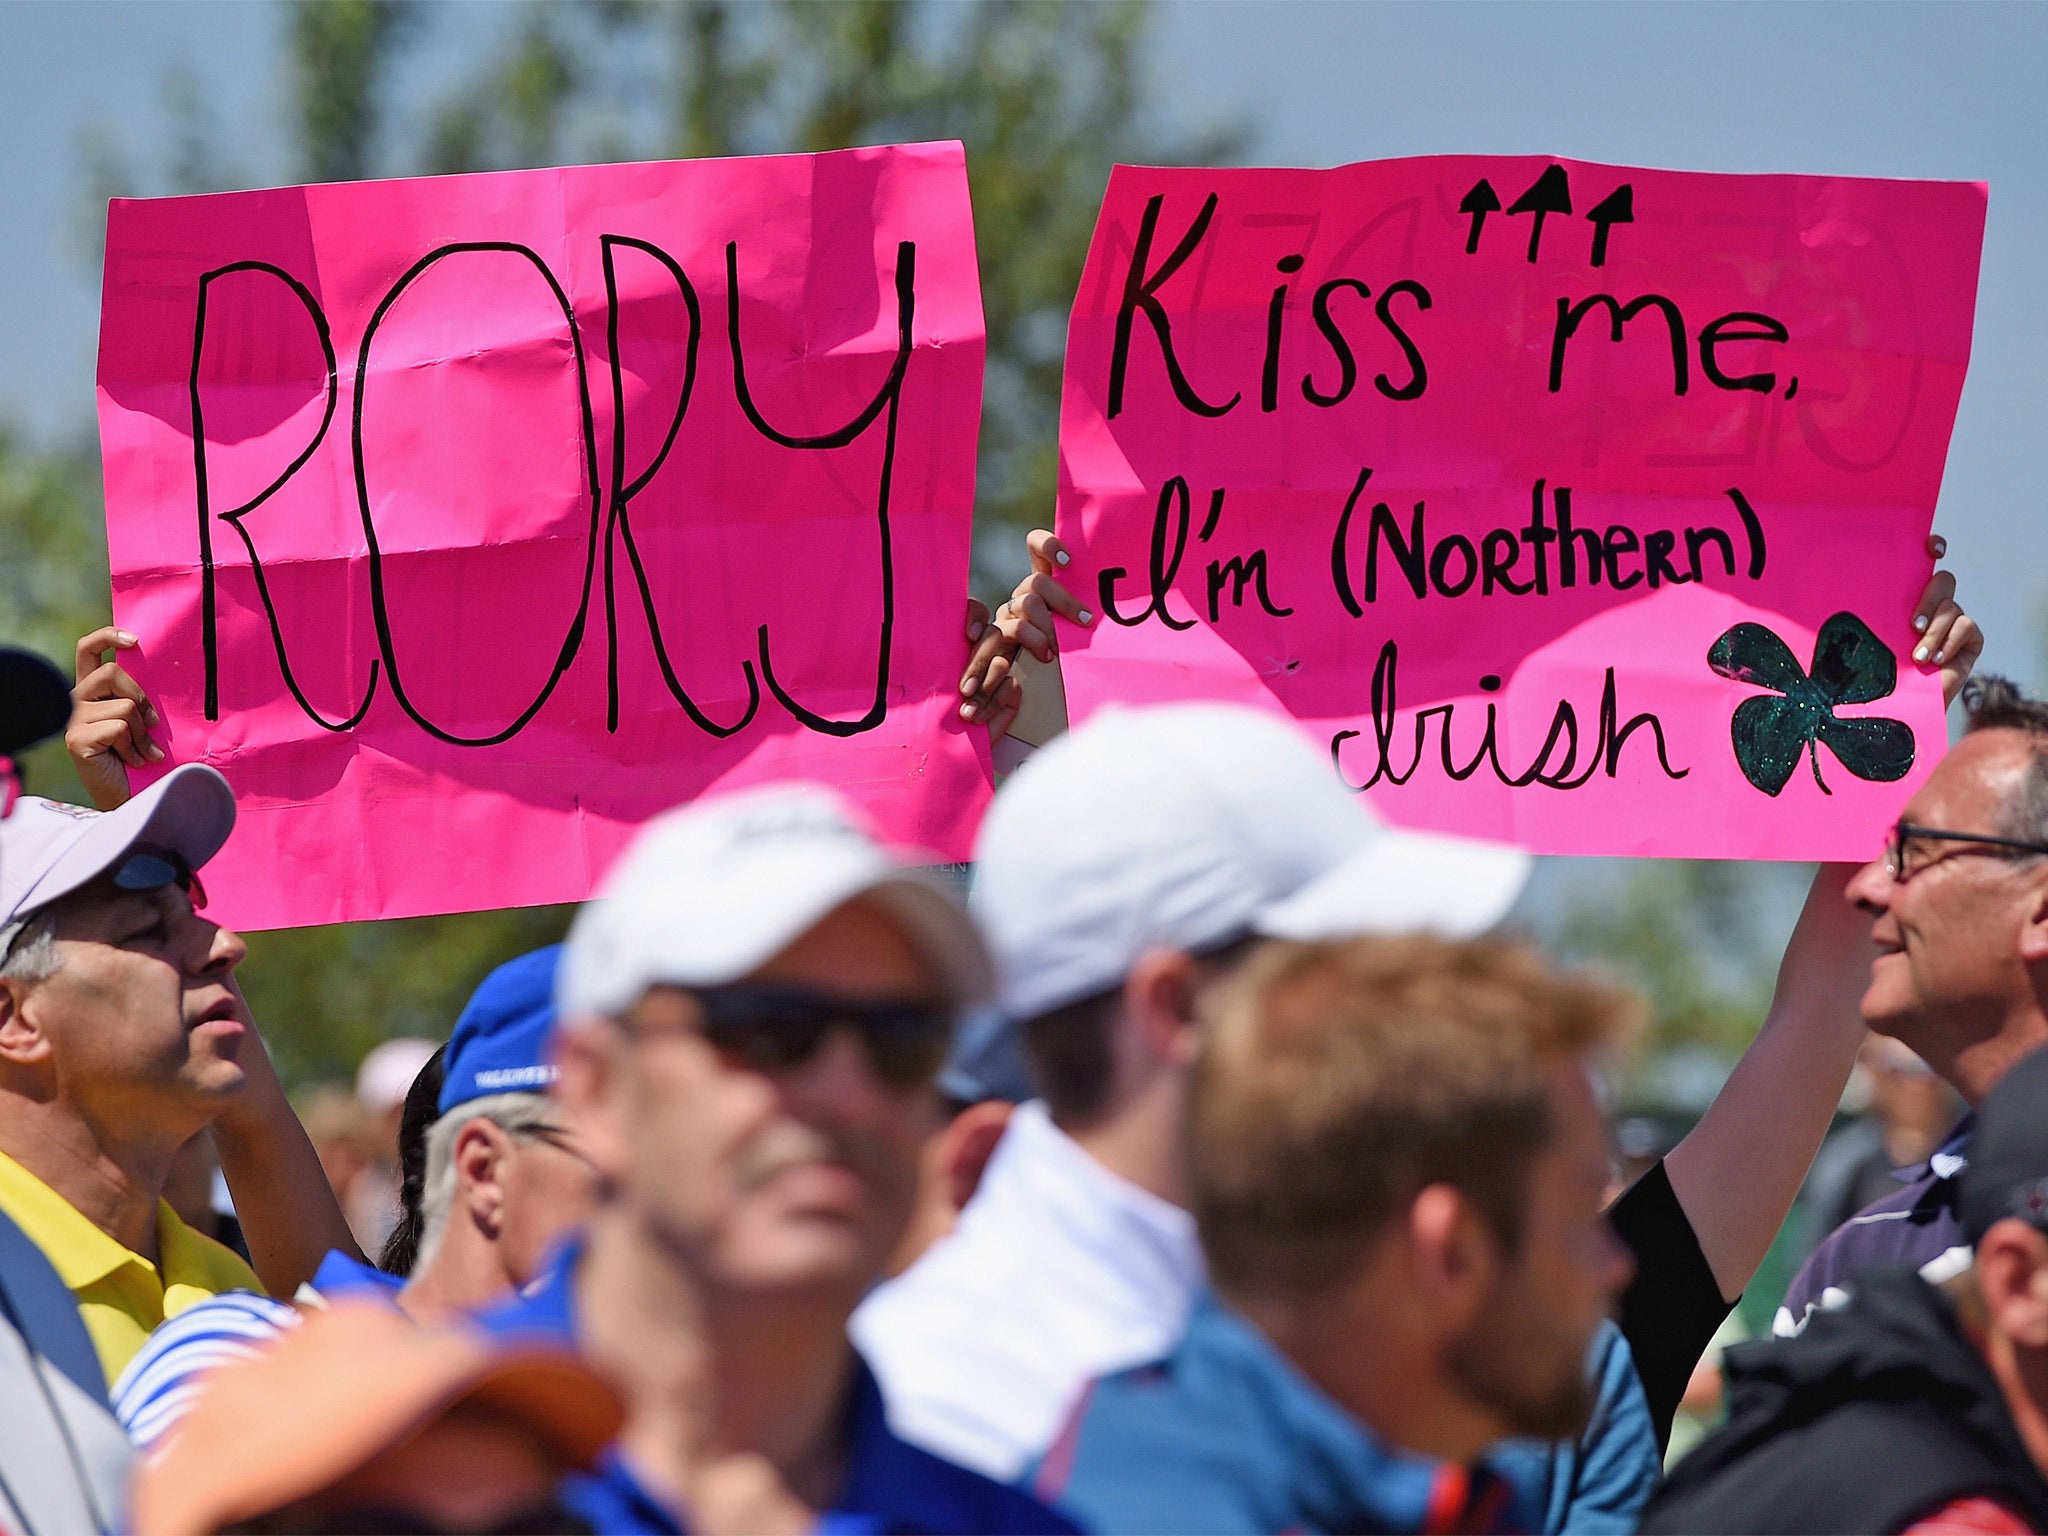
(122, 1036)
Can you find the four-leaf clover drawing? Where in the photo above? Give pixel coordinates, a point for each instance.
(1850, 666)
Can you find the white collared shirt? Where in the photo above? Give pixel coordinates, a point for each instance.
(1058, 1272)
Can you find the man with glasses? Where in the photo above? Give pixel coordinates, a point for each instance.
(1959, 912)
(505, 1181)
(122, 1036)
(753, 1010)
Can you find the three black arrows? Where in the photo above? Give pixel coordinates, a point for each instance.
(1549, 193)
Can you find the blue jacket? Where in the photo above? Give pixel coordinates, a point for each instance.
(1225, 1436)
(891, 1487)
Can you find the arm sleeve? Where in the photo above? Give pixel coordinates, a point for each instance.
(164, 1378)
(1673, 1306)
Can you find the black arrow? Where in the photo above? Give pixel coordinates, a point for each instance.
(1552, 193)
(1479, 202)
(1617, 207)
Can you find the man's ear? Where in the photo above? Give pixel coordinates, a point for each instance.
(1454, 1256)
(591, 1065)
(966, 1145)
(22, 1041)
(2034, 927)
(1159, 994)
(481, 1147)
(2012, 1279)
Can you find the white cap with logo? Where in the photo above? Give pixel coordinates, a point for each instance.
(710, 891)
(49, 849)
(1187, 825)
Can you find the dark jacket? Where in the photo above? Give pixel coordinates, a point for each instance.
(1881, 1412)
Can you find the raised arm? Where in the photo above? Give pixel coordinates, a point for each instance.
(1738, 1172)
(288, 1212)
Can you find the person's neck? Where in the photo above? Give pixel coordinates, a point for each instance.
(114, 1183)
(735, 1404)
(1360, 1350)
(1974, 1067)
(462, 1271)
(1138, 1139)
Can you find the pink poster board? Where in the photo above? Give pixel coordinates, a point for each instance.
(468, 522)
(1533, 490)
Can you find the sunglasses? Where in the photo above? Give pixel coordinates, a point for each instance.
(148, 868)
(1902, 860)
(772, 1029)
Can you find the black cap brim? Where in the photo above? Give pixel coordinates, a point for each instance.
(35, 701)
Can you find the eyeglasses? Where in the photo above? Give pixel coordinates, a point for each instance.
(772, 1029)
(550, 1135)
(1902, 862)
(12, 785)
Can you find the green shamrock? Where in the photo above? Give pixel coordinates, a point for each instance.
(1850, 666)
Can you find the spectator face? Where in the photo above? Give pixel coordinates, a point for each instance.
(800, 1178)
(141, 1019)
(1525, 1358)
(549, 1187)
(1950, 967)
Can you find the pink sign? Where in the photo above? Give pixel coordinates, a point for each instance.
(1576, 505)
(470, 521)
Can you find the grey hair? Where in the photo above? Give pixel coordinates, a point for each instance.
(31, 949)
(514, 1112)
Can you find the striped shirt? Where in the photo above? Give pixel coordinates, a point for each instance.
(164, 1378)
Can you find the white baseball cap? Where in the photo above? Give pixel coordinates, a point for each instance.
(1188, 825)
(710, 891)
(49, 849)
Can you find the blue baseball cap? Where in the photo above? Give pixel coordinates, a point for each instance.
(500, 1044)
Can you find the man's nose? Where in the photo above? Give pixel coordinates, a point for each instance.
(217, 948)
(1870, 888)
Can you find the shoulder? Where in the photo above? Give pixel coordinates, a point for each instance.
(954, 1498)
(157, 1385)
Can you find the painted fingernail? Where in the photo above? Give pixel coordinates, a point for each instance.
(1087, 617)
(976, 630)
(1938, 655)
(967, 684)
(967, 712)
(1920, 654)
(1940, 547)
(1062, 558)
(150, 714)
(1919, 623)
(90, 752)
(125, 638)
(155, 753)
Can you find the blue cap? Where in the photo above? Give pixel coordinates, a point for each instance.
(500, 1044)
(987, 1061)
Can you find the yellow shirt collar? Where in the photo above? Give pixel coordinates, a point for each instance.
(80, 1252)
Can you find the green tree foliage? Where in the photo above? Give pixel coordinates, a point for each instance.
(1046, 97)
(1700, 939)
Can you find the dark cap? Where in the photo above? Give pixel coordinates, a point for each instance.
(2008, 1172)
(35, 701)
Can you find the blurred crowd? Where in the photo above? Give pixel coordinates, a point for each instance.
(1203, 1158)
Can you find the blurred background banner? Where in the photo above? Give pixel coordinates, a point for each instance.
(1562, 503)
(470, 521)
